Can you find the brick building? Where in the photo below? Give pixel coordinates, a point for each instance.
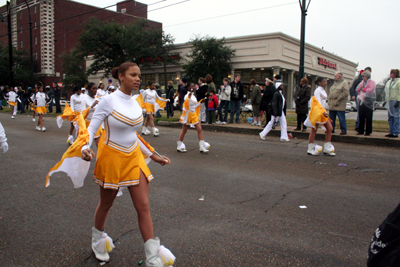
(56, 26)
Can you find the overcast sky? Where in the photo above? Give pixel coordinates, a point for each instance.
(365, 32)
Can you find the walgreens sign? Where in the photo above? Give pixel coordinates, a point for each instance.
(326, 63)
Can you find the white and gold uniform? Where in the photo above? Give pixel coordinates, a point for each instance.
(190, 110)
(41, 103)
(89, 102)
(12, 98)
(121, 152)
(153, 102)
(100, 93)
(77, 104)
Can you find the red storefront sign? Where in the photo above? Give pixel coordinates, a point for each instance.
(326, 63)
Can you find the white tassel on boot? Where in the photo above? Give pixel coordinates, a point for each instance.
(145, 131)
(181, 147)
(202, 147)
(151, 248)
(329, 149)
(101, 244)
(207, 145)
(156, 132)
(166, 255)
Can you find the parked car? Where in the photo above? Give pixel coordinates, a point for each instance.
(352, 105)
(348, 107)
(63, 100)
(380, 105)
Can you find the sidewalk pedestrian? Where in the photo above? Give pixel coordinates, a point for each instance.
(266, 100)
(301, 100)
(118, 167)
(50, 94)
(210, 86)
(225, 99)
(255, 100)
(170, 96)
(236, 98)
(392, 97)
(212, 106)
(42, 100)
(190, 117)
(57, 96)
(21, 104)
(159, 93)
(366, 97)
(338, 95)
(278, 114)
(353, 94)
(182, 91)
(318, 117)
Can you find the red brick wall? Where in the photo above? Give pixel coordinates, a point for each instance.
(66, 32)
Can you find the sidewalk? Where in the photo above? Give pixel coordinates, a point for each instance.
(376, 138)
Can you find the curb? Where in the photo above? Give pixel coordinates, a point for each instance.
(371, 141)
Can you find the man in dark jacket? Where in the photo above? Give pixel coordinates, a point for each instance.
(301, 100)
(57, 95)
(266, 99)
(182, 91)
(353, 93)
(170, 96)
(237, 92)
(50, 94)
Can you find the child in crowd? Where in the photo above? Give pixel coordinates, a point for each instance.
(212, 106)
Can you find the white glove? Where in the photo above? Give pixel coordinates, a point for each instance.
(168, 100)
(4, 146)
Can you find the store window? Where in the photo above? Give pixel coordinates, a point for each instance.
(146, 78)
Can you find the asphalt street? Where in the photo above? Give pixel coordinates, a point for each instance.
(250, 215)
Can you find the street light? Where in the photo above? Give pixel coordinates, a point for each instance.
(304, 10)
(30, 37)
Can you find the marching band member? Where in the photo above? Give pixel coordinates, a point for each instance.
(100, 91)
(91, 102)
(3, 139)
(77, 105)
(120, 163)
(318, 117)
(190, 117)
(152, 103)
(40, 109)
(32, 101)
(12, 98)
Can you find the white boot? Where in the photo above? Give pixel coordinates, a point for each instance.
(207, 145)
(202, 147)
(151, 248)
(181, 147)
(38, 128)
(329, 149)
(314, 149)
(145, 131)
(70, 139)
(33, 119)
(156, 132)
(43, 129)
(101, 245)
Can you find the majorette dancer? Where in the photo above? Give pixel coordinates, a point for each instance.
(153, 102)
(40, 103)
(190, 117)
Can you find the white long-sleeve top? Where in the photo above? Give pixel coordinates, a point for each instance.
(77, 102)
(321, 96)
(122, 117)
(150, 96)
(12, 96)
(3, 137)
(100, 93)
(41, 98)
(89, 102)
(193, 104)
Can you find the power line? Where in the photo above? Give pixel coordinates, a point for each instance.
(220, 16)
(95, 10)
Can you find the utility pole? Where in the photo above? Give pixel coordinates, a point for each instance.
(304, 10)
(31, 44)
(10, 48)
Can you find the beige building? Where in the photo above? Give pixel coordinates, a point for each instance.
(261, 56)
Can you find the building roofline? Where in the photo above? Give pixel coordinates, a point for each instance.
(279, 35)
